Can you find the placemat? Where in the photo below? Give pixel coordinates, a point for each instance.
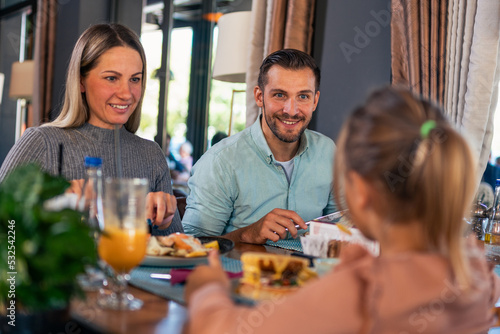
(291, 244)
(139, 277)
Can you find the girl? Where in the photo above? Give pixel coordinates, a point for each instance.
(407, 179)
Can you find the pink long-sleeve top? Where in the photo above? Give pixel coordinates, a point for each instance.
(400, 294)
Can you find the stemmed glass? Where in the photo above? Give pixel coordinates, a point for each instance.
(123, 242)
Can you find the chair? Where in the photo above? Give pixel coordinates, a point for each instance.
(181, 205)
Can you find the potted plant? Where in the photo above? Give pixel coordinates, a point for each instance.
(41, 251)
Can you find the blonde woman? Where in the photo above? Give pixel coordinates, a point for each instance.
(408, 181)
(105, 86)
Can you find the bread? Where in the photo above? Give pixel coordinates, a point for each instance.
(267, 276)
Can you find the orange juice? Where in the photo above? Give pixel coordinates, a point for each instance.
(122, 249)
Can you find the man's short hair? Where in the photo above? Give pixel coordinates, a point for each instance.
(289, 59)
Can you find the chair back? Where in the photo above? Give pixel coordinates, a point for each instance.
(181, 205)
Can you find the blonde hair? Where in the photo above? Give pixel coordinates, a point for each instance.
(94, 42)
(426, 176)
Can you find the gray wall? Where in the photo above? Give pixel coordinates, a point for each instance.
(352, 48)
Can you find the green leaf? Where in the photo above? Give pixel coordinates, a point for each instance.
(52, 247)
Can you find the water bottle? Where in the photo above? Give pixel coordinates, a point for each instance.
(494, 219)
(91, 205)
(92, 194)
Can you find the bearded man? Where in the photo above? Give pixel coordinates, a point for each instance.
(265, 182)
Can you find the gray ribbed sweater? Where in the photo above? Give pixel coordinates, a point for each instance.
(140, 157)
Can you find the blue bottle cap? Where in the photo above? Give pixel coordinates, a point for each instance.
(93, 162)
(497, 183)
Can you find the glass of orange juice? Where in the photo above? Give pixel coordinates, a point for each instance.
(122, 245)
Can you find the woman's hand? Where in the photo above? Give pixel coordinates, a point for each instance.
(160, 208)
(75, 187)
(203, 275)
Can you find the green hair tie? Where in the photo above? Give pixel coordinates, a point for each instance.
(426, 127)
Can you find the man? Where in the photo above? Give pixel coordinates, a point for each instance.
(274, 175)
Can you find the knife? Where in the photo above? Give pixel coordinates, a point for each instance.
(161, 276)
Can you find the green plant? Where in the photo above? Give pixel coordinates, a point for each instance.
(47, 249)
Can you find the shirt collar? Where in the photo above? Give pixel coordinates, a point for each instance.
(263, 147)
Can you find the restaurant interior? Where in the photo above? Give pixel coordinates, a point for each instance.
(202, 70)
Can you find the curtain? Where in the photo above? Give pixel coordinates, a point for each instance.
(448, 51)
(45, 35)
(418, 46)
(275, 25)
(473, 71)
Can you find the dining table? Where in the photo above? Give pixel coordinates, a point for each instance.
(164, 309)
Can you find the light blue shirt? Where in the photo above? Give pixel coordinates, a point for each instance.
(236, 183)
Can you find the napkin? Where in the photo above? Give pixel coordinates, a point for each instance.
(180, 275)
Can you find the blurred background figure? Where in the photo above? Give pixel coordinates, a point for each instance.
(178, 171)
(491, 173)
(218, 137)
(185, 151)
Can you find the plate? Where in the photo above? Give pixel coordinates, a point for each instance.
(225, 245)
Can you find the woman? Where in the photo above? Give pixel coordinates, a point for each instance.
(389, 166)
(105, 86)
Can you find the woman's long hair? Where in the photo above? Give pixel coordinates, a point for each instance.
(94, 42)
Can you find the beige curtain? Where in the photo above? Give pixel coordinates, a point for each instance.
(275, 25)
(45, 34)
(473, 71)
(418, 46)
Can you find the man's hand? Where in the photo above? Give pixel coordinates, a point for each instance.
(203, 275)
(272, 226)
(160, 208)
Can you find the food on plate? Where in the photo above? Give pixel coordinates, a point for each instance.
(270, 275)
(179, 245)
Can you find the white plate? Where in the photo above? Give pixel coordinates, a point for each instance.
(225, 245)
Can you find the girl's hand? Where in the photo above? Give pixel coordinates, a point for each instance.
(203, 275)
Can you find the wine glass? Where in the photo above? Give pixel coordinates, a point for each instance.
(122, 244)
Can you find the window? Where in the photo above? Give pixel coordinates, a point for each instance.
(188, 113)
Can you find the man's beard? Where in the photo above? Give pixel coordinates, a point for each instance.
(284, 137)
